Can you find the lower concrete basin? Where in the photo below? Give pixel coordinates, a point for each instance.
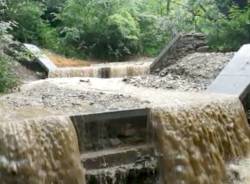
(116, 147)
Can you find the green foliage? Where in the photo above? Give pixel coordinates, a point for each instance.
(153, 34)
(115, 29)
(125, 24)
(7, 79)
(110, 29)
(226, 23)
(30, 27)
(101, 28)
(5, 38)
(27, 16)
(225, 5)
(231, 31)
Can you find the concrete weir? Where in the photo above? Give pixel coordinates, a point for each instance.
(235, 77)
(105, 70)
(124, 146)
(116, 147)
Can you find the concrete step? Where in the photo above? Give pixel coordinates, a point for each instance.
(118, 156)
(145, 172)
(109, 130)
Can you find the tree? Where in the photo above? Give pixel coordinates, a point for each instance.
(7, 78)
(101, 28)
(225, 5)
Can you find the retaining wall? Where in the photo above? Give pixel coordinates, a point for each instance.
(180, 46)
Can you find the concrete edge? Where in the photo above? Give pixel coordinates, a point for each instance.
(113, 114)
(42, 59)
(165, 51)
(239, 63)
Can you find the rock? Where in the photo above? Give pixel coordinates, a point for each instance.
(84, 80)
(202, 49)
(125, 79)
(115, 142)
(194, 72)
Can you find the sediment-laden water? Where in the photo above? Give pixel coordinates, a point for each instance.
(196, 141)
(43, 151)
(198, 137)
(103, 70)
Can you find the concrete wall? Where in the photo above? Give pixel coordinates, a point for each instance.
(42, 59)
(118, 141)
(111, 129)
(234, 79)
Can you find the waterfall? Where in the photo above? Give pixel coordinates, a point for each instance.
(196, 141)
(42, 151)
(110, 70)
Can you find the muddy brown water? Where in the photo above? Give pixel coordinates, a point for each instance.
(195, 143)
(196, 136)
(42, 151)
(110, 70)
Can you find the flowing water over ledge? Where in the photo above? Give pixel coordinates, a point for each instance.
(198, 136)
(195, 142)
(42, 151)
(111, 70)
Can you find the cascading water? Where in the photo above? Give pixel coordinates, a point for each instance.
(103, 70)
(43, 151)
(196, 141)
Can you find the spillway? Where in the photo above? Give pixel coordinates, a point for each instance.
(196, 141)
(40, 151)
(111, 70)
(195, 137)
(191, 136)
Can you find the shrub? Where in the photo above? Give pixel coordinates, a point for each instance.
(115, 29)
(100, 28)
(231, 31)
(7, 78)
(29, 25)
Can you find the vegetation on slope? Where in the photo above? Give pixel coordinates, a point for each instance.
(7, 78)
(115, 29)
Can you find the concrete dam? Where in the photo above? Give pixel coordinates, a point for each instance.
(116, 133)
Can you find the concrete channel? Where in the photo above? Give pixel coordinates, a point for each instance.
(116, 147)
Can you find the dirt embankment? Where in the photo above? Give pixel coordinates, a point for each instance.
(191, 73)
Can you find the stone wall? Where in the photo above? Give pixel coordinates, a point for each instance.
(180, 46)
